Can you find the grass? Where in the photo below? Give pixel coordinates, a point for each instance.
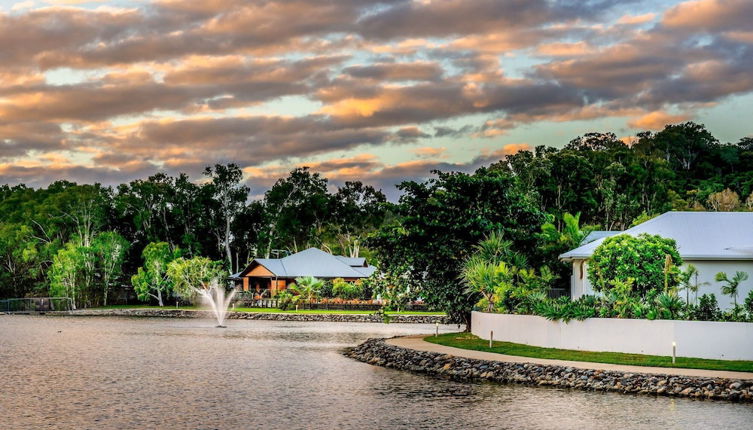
(469, 341)
(271, 310)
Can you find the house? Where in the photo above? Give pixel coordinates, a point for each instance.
(275, 274)
(712, 241)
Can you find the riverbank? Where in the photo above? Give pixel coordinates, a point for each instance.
(269, 316)
(469, 342)
(523, 371)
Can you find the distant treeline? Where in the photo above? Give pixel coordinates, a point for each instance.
(435, 223)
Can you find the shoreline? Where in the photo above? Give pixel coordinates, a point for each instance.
(381, 352)
(268, 316)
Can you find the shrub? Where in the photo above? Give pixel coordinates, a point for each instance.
(346, 290)
(286, 300)
(651, 261)
(707, 309)
(749, 304)
(326, 290)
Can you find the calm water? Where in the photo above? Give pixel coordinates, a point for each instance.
(65, 372)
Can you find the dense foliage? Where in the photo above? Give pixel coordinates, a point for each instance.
(645, 261)
(542, 201)
(439, 221)
(87, 241)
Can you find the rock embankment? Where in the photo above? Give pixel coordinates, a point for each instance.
(377, 352)
(269, 316)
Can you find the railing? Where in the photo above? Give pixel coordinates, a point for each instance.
(36, 304)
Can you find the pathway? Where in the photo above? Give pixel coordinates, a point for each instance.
(418, 343)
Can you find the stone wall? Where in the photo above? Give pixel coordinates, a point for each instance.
(183, 313)
(377, 352)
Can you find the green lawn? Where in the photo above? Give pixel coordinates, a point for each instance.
(270, 310)
(469, 341)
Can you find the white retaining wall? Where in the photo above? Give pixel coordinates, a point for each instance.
(700, 339)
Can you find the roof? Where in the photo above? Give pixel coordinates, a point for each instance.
(699, 235)
(598, 234)
(314, 262)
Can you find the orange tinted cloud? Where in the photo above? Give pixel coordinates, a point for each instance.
(657, 120)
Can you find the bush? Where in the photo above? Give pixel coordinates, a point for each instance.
(326, 290)
(286, 300)
(346, 290)
(643, 259)
(707, 309)
(749, 304)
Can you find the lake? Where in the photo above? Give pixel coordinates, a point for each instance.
(108, 372)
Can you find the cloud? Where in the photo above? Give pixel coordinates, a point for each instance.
(657, 120)
(710, 15)
(109, 92)
(636, 19)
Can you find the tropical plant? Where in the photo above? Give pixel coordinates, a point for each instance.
(307, 287)
(731, 285)
(689, 283)
(650, 260)
(570, 235)
(749, 304)
(286, 300)
(488, 279)
(346, 290)
(668, 306)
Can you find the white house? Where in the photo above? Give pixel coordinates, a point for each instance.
(712, 241)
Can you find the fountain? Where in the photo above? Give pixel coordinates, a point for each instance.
(215, 297)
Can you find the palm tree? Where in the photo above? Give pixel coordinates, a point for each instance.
(730, 287)
(486, 278)
(569, 236)
(307, 287)
(689, 282)
(495, 249)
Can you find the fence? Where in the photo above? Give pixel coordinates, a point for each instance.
(36, 304)
(273, 303)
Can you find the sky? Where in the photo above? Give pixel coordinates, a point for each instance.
(377, 91)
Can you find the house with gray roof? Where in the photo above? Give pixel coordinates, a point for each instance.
(275, 274)
(712, 241)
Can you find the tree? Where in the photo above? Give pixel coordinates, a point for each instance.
(437, 223)
(295, 209)
(192, 274)
(356, 210)
(110, 250)
(730, 285)
(230, 198)
(642, 258)
(151, 279)
(65, 273)
(724, 201)
(690, 283)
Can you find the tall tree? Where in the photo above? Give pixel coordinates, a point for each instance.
(440, 220)
(229, 198)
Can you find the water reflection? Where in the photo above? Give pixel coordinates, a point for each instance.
(169, 373)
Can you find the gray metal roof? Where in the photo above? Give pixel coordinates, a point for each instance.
(699, 235)
(315, 262)
(598, 234)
